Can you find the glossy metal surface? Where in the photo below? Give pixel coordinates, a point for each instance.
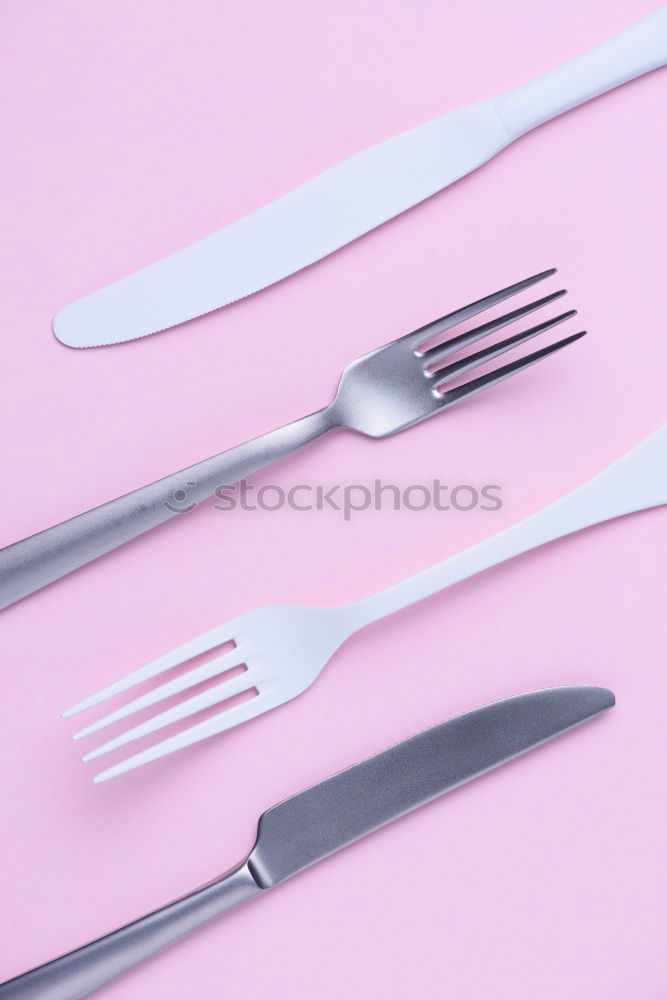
(81, 972)
(355, 802)
(323, 819)
(380, 394)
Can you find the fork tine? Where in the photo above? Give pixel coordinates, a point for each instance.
(457, 368)
(201, 644)
(210, 727)
(219, 665)
(471, 336)
(455, 395)
(221, 692)
(451, 319)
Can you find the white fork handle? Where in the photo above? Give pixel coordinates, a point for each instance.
(635, 482)
(631, 53)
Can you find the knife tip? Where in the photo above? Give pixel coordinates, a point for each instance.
(602, 698)
(64, 331)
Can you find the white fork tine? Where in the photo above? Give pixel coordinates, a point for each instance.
(210, 727)
(234, 658)
(221, 692)
(201, 644)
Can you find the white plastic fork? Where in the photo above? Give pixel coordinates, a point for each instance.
(284, 648)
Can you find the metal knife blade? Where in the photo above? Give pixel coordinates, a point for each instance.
(321, 820)
(334, 813)
(313, 220)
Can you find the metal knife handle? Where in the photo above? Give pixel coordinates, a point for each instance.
(44, 557)
(80, 972)
(639, 49)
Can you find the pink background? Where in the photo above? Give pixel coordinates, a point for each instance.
(133, 128)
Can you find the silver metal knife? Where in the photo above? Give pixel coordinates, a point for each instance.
(343, 203)
(322, 819)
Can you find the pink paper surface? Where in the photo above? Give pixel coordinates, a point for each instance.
(131, 129)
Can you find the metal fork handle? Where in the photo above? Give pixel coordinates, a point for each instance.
(48, 555)
(81, 972)
(637, 481)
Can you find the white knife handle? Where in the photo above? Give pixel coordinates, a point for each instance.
(631, 53)
(635, 482)
(33, 562)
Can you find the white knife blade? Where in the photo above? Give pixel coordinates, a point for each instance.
(350, 199)
(313, 220)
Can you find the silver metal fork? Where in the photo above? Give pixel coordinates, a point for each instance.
(380, 394)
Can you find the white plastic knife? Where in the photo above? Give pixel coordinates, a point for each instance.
(341, 204)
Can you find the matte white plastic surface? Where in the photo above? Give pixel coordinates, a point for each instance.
(285, 648)
(635, 482)
(350, 199)
(635, 51)
(310, 222)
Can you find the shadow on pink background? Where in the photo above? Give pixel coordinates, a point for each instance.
(131, 129)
